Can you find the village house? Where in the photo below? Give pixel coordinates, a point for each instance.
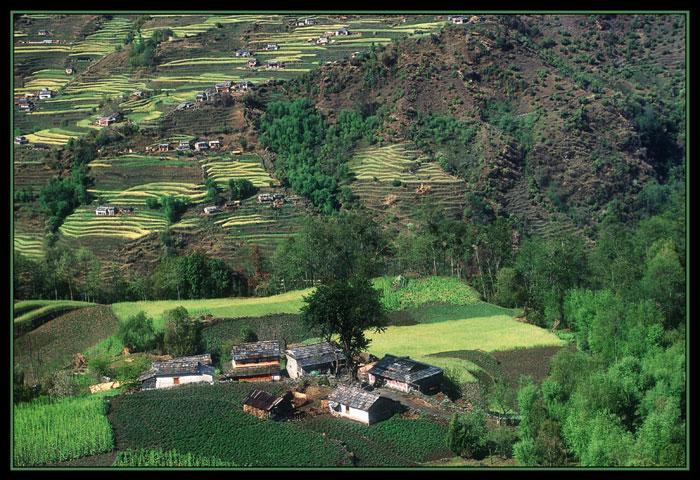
(265, 406)
(45, 94)
(271, 46)
(163, 147)
(105, 211)
(342, 32)
(404, 374)
(223, 87)
(178, 371)
(214, 144)
(185, 106)
(243, 53)
(200, 146)
(69, 70)
(184, 145)
(265, 197)
(25, 105)
(321, 40)
(243, 86)
(212, 210)
(274, 65)
(319, 358)
(136, 94)
(256, 361)
(359, 405)
(310, 21)
(253, 62)
(106, 121)
(201, 97)
(457, 19)
(43, 33)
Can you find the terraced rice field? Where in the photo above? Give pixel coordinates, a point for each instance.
(138, 195)
(84, 223)
(225, 167)
(52, 136)
(104, 40)
(133, 170)
(51, 78)
(31, 246)
(201, 27)
(377, 167)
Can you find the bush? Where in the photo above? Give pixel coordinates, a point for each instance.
(183, 334)
(501, 440)
(396, 182)
(467, 434)
(137, 333)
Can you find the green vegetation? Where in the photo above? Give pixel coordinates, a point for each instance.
(422, 291)
(183, 333)
(52, 431)
(170, 458)
(137, 333)
(32, 313)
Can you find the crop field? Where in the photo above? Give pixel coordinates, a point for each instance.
(51, 78)
(30, 246)
(420, 291)
(490, 333)
(53, 344)
(135, 170)
(32, 313)
(84, 223)
(52, 136)
(222, 168)
(289, 302)
(104, 40)
(60, 430)
(170, 458)
(210, 22)
(138, 195)
(217, 427)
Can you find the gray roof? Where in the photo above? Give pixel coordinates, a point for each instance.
(316, 354)
(256, 351)
(251, 371)
(403, 369)
(194, 365)
(262, 400)
(353, 397)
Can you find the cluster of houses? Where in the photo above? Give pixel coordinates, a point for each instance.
(26, 103)
(215, 93)
(215, 209)
(462, 19)
(326, 37)
(112, 210)
(186, 145)
(276, 200)
(261, 361)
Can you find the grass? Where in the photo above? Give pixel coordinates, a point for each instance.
(170, 458)
(32, 313)
(490, 333)
(426, 290)
(51, 431)
(289, 302)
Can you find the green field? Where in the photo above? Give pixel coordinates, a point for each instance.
(289, 302)
(29, 245)
(170, 458)
(222, 168)
(420, 291)
(30, 314)
(60, 430)
(84, 223)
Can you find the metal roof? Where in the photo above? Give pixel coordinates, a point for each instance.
(316, 354)
(256, 351)
(353, 397)
(194, 365)
(262, 400)
(403, 369)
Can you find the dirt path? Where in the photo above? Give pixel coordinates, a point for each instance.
(415, 402)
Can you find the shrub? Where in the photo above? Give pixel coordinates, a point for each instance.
(467, 434)
(137, 333)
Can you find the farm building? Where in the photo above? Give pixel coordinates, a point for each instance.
(263, 405)
(163, 147)
(274, 65)
(69, 70)
(457, 19)
(21, 140)
(211, 210)
(319, 357)
(185, 106)
(199, 146)
(25, 105)
(272, 46)
(256, 361)
(43, 33)
(45, 94)
(322, 40)
(105, 211)
(402, 373)
(265, 197)
(184, 145)
(253, 62)
(243, 86)
(201, 97)
(243, 53)
(223, 87)
(342, 32)
(178, 371)
(310, 21)
(108, 120)
(214, 144)
(359, 405)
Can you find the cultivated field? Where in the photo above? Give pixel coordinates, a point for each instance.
(222, 168)
(30, 314)
(29, 245)
(84, 223)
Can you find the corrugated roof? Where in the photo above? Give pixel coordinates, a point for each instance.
(403, 369)
(353, 397)
(194, 365)
(256, 351)
(261, 400)
(316, 354)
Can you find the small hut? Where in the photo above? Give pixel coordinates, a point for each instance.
(266, 406)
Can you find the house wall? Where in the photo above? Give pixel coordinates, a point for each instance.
(349, 412)
(165, 382)
(292, 368)
(395, 384)
(256, 412)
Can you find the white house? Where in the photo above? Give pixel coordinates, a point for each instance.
(359, 405)
(105, 211)
(199, 146)
(319, 358)
(178, 371)
(45, 94)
